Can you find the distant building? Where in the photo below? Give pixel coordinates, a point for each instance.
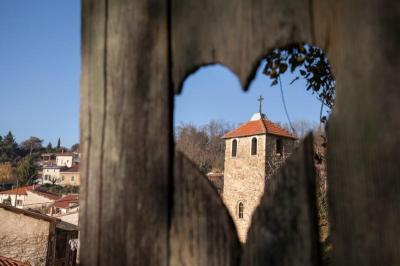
(69, 176)
(50, 173)
(66, 204)
(63, 170)
(65, 159)
(47, 159)
(253, 152)
(28, 198)
(67, 209)
(35, 239)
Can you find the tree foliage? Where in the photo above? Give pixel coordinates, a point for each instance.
(58, 190)
(300, 128)
(203, 145)
(25, 170)
(9, 151)
(49, 147)
(310, 63)
(33, 144)
(75, 147)
(58, 143)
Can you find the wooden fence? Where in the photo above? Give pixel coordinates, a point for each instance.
(141, 205)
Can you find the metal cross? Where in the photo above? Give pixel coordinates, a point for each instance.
(260, 100)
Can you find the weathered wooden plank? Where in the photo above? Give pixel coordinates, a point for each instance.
(126, 133)
(364, 131)
(284, 229)
(202, 231)
(92, 102)
(236, 33)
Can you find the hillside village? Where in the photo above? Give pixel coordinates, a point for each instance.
(56, 178)
(251, 154)
(40, 213)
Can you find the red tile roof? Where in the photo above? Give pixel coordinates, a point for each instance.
(73, 169)
(18, 191)
(23, 191)
(65, 201)
(10, 262)
(258, 127)
(46, 195)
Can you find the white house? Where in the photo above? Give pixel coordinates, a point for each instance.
(28, 198)
(39, 201)
(15, 197)
(66, 204)
(50, 173)
(67, 209)
(65, 159)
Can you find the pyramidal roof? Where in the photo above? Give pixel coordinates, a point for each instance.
(258, 125)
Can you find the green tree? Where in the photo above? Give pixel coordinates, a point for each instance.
(25, 170)
(49, 147)
(310, 63)
(58, 144)
(9, 148)
(75, 147)
(33, 144)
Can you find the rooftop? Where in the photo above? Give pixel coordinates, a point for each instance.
(65, 201)
(73, 169)
(258, 125)
(18, 191)
(46, 194)
(24, 191)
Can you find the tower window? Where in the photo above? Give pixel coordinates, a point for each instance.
(253, 146)
(234, 148)
(240, 210)
(279, 147)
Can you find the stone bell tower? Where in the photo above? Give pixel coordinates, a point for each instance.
(253, 151)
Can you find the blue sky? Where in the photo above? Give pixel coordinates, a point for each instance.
(39, 69)
(40, 72)
(216, 92)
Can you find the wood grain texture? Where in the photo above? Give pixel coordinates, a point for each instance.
(236, 33)
(364, 131)
(126, 133)
(284, 226)
(202, 231)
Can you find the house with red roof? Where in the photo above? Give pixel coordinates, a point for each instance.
(253, 152)
(28, 197)
(67, 204)
(61, 175)
(67, 209)
(70, 176)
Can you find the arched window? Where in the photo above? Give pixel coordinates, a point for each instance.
(234, 147)
(279, 147)
(254, 146)
(240, 210)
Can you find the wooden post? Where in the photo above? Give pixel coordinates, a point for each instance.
(202, 231)
(284, 228)
(125, 133)
(362, 40)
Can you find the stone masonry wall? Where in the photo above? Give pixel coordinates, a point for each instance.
(273, 160)
(246, 175)
(23, 238)
(244, 180)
